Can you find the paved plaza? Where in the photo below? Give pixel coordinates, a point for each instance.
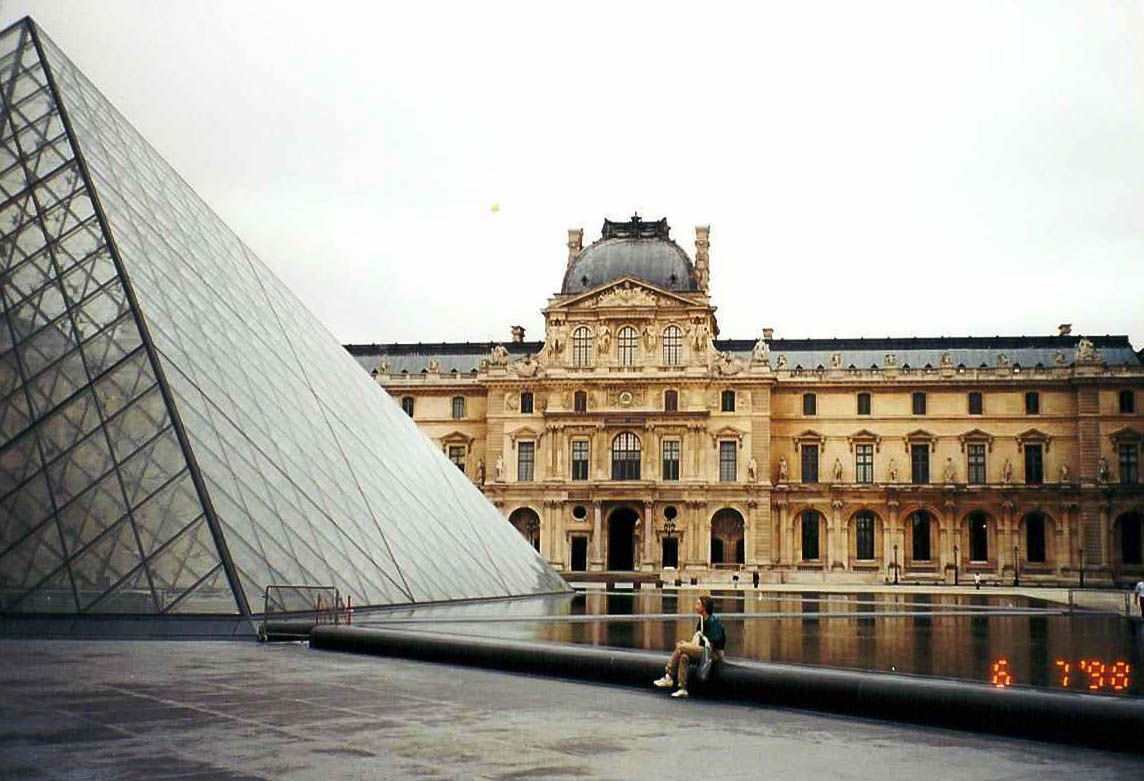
(229, 710)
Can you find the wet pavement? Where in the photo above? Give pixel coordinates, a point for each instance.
(227, 710)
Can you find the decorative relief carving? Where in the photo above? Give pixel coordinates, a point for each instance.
(527, 367)
(726, 364)
(627, 294)
(512, 401)
(1085, 352)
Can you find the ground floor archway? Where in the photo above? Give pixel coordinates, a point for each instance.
(727, 529)
(1130, 535)
(527, 522)
(622, 539)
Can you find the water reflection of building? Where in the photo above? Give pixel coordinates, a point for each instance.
(632, 438)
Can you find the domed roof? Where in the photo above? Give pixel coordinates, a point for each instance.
(631, 249)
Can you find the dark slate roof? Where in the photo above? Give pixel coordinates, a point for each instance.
(639, 249)
(970, 351)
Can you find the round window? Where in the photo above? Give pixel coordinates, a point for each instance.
(579, 512)
(670, 512)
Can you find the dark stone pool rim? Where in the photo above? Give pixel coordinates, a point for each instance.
(1113, 723)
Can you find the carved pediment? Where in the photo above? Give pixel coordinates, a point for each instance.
(624, 292)
(1035, 437)
(976, 436)
(457, 438)
(524, 432)
(921, 436)
(864, 437)
(1126, 435)
(809, 437)
(728, 432)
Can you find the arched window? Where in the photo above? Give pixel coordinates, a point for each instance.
(809, 535)
(407, 405)
(580, 401)
(626, 345)
(626, 457)
(672, 346)
(920, 531)
(1035, 538)
(864, 535)
(670, 401)
(582, 346)
(978, 537)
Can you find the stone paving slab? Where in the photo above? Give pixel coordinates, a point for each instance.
(236, 710)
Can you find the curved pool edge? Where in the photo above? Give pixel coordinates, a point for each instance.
(1096, 721)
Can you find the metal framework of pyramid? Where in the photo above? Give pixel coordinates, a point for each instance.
(177, 431)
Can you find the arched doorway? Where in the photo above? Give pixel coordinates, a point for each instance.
(1130, 529)
(727, 537)
(1036, 538)
(622, 539)
(978, 523)
(527, 522)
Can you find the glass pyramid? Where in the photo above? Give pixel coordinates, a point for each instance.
(177, 431)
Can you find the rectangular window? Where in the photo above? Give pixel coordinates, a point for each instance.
(670, 401)
(919, 403)
(728, 401)
(863, 463)
(1127, 402)
(580, 401)
(919, 464)
(457, 456)
(525, 461)
(809, 404)
(810, 463)
(975, 471)
(407, 405)
(579, 459)
(1032, 403)
(1129, 464)
(864, 536)
(975, 403)
(671, 459)
(526, 403)
(863, 403)
(458, 407)
(1034, 465)
(727, 467)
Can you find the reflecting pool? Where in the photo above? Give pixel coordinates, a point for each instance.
(1004, 640)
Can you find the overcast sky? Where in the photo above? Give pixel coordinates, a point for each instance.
(867, 169)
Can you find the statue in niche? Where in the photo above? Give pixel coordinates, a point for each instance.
(499, 467)
(699, 335)
(762, 352)
(782, 362)
(1007, 472)
(949, 474)
(604, 339)
(480, 471)
(1085, 350)
(555, 337)
(649, 336)
(1065, 473)
(1103, 470)
(837, 470)
(752, 470)
(783, 471)
(892, 471)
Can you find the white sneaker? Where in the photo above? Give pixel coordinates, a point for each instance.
(681, 693)
(664, 683)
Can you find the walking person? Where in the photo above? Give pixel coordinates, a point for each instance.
(1138, 592)
(708, 631)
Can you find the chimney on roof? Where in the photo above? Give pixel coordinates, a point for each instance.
(702, 260)
(518, 333)
(575, 243)
(768, 334)
(1066, 329)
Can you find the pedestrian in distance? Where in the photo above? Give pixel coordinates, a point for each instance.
(709, 631)
(1138, 593)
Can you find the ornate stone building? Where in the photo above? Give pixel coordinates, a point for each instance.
(633, 438)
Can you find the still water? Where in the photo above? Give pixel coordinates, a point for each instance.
(1007, 641)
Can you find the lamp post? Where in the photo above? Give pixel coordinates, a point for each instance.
(1081, 552)
(669, 533)
(895, 564)
(1016, 568)
(956, 564)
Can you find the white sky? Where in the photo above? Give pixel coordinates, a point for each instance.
(868, 169)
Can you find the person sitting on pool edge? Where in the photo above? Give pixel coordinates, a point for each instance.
(708, 630)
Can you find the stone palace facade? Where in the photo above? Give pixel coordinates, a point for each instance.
(633, 438)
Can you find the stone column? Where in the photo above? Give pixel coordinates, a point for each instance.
(597, 562)
(648, 560)
(1004, 540)
(840, 539)
(891, 536)
(1106, 535)
(948, 534)
(750, 531)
